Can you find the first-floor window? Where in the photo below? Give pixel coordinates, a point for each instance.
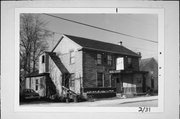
(37, 84)
(100, 79)
(72, 80)
(99, 59)
(110, 80)
(43, 59)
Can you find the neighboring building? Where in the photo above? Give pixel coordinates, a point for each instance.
(150, 65)
(88, 67)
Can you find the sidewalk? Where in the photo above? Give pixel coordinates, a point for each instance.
(99, 102)
(123, 101)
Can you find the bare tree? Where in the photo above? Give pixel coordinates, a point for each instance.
(32, 41)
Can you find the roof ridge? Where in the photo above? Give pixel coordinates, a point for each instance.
(102, 46)
(94, 40)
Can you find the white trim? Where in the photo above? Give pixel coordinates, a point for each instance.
(70, 57)
(67, 38)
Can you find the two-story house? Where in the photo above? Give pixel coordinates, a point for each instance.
(87, 67)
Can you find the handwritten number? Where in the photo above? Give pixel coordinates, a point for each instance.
(144, 109)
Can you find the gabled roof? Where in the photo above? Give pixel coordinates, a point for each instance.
(102, 46)
(149, 64)
(58, 62)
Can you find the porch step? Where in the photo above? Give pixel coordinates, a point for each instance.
(119, 95)
(70, 94)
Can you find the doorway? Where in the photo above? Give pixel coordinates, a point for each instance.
(119, 83)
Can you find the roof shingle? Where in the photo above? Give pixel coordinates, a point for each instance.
(102, 46)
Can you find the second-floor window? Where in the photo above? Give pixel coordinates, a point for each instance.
(43, 59)
(99, 59)
(129, 62)
(72, 57)
(109, 59)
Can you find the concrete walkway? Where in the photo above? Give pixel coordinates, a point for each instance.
(123, 101)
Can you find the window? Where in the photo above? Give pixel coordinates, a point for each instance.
(99, 59)
(109, 59)
(72, 57)
(117, 80)
(43, 59)
(42, 83)
(37, 84)
(129, 62)
(110, 80)
(100, 79)
(120, 63)
(72, 80)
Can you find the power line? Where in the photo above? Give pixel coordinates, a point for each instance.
(52, 31)
(73, 21)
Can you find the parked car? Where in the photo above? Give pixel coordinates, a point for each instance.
(29, 94)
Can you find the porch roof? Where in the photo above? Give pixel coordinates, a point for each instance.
(36, 74)
(127, 72)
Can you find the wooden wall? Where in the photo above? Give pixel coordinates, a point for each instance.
(90, 68)
(63, 51)
(55, 75)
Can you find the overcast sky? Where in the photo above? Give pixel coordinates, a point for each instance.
(139, 25)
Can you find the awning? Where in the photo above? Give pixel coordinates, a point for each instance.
(36, 74)
(126, 72)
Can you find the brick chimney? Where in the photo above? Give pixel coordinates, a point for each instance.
(120, 43)
(139, 53)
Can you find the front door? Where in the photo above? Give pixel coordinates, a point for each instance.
(66, 80)
(72, 82)
(118, 81)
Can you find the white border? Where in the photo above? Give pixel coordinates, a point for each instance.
(158, 11)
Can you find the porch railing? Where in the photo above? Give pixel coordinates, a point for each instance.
(69, 94)
(86, 90)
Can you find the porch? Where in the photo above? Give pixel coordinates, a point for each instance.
(129, 83)
(99, 92)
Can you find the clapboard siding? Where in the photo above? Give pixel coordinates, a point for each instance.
(63, 52)
(75, 68)
(56, 76)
